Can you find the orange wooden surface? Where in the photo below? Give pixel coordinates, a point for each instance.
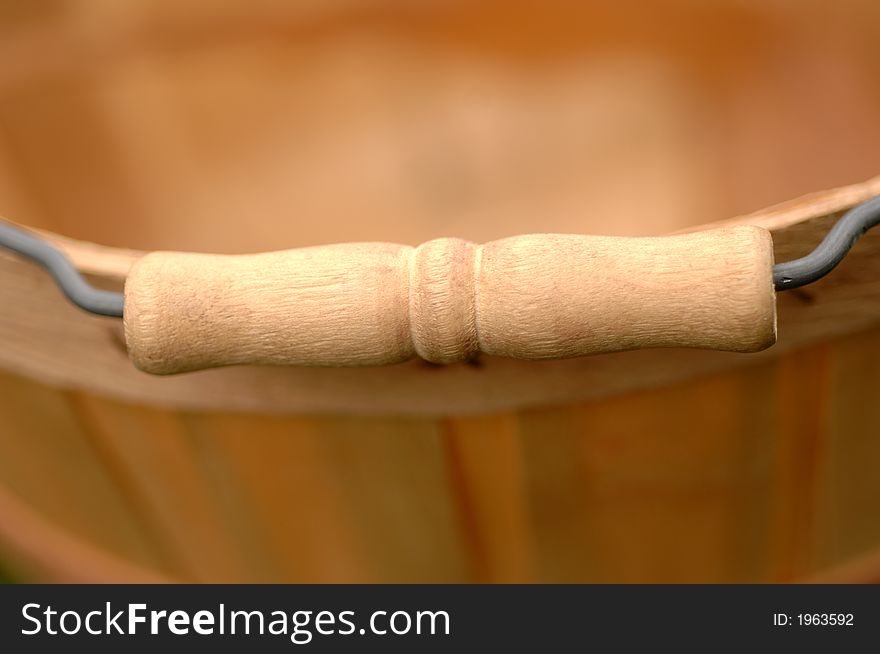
(761, 474)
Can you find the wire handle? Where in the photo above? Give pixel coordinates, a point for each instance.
(831, 251)
(74, 286)
(540, 296)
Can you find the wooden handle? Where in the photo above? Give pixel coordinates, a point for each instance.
(532, 297)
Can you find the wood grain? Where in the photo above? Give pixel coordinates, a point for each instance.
(545, 296)
(74, 488)
(37, 549)
(757, 474)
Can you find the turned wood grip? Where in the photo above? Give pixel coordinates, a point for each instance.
(531, 297)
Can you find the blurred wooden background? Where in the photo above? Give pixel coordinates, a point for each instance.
(242, 126)
(239, 126)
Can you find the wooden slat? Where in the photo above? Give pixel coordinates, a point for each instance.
(861, 570)
(695, 482)
(800, 433)
(488, 466)
(850, 484)
(639, 488)
(165, 473)
(397, 485)
(760, 474)
(335, 499)
(37, 549)
(50, 463)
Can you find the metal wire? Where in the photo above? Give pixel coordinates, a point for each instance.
(74, 286)
(831, 251)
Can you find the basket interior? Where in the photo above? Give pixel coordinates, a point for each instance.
(235, 127)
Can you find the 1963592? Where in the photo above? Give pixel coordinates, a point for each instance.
(814, 619)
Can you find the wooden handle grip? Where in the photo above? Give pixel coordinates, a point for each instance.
(532, 297)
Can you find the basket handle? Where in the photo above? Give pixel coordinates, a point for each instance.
(530, 297)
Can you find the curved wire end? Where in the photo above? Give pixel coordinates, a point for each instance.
(831, 251)
(72, 283)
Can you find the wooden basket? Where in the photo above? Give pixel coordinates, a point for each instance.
(241, 127)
